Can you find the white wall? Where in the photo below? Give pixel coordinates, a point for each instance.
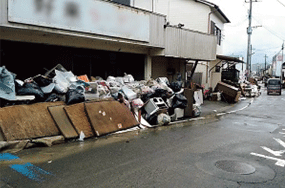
(193, 15)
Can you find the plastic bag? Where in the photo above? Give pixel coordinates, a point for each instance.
(61, 82)
(137, 103)
(111, 79)
(52, 98)
(49, 88)
(128, 78)
(75, 95)
(176, 86)
(163, 119)
(42, 81)
(7, 84)
(146, 90)
(31, 88)
(120, 80)
(197, 110)
(129, 93)
(179, 101)
(164, 80)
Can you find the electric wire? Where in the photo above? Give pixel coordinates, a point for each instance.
(280, 3)
(271, 31)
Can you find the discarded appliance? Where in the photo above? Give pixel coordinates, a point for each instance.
(155, 105)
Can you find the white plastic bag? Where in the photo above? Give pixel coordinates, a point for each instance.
(128, 78)
(163, 119)
(137, 103)
(61, 83)
(197, 110)
(81, 136)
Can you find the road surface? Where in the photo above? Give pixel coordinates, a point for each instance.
(241, 149)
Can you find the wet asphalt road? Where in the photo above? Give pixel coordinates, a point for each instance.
(235, 150)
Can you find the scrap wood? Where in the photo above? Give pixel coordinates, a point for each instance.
(28, 121)
(109, 116)
(79, 119)
(2, 138)
(62, 121)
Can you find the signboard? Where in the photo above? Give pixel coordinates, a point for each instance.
(89, 16)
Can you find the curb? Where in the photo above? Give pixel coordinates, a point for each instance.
(211, 116)
(221, 114)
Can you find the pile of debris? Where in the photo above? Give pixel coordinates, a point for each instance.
(232, 92)
(154, 102)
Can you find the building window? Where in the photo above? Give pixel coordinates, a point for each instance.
(123, 2)
(216, 31)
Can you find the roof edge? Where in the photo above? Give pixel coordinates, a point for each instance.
(212, 5)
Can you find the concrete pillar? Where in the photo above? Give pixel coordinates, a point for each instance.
(147, 67)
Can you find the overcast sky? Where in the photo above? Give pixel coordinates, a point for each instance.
(267, 39)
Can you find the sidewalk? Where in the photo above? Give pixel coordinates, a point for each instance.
(213, 107)
(219, 108)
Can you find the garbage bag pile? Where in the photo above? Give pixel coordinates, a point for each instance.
(152, 100)
(62, 85)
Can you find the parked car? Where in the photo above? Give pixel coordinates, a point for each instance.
(274, 86)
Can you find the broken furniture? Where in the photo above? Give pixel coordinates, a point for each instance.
(229, 93)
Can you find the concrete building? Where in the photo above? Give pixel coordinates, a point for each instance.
(197, 15)
(97, 38)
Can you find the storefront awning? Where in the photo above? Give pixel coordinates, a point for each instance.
(229, 58)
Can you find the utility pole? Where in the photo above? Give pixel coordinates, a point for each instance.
(283, 53)
(249, 32)
(265, 64)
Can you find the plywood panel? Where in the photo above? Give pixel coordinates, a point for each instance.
(28, 121)
(79, 119)
(109, 116)
(1, 136)
(62, 121)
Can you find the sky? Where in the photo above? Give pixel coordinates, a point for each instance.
(266, 40)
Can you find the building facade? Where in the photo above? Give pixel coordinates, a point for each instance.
(97, 38)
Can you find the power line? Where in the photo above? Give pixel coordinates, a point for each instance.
(271, 31)
(281, 3)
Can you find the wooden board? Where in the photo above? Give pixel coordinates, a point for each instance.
(188, 93)
(28, 121)
(2, 136)
(79, 119)
(62, 121)
(109, 116)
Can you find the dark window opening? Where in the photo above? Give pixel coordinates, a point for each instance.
(216, 31)
(123, 2)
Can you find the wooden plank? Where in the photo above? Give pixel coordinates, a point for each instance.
(62, 121)
(79, 119)
(1, 135)
(109, 116)
(28, 121)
